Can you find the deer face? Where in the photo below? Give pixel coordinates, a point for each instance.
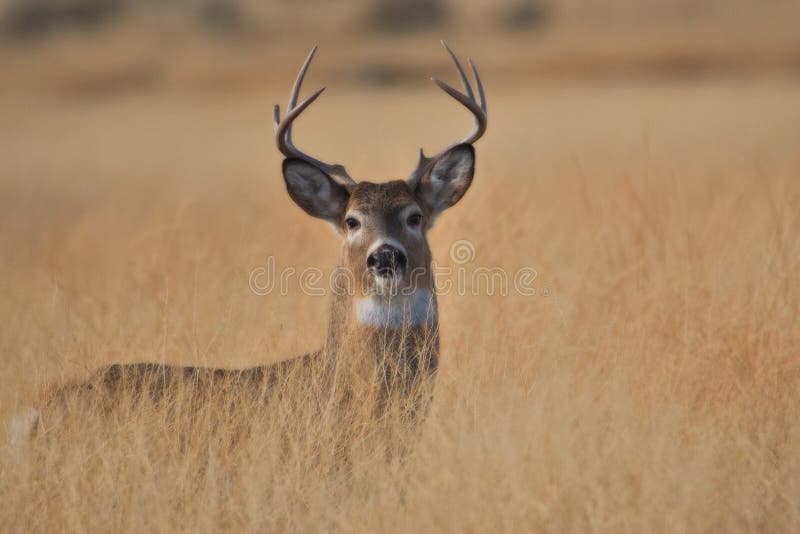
(384, 226)
(384, 238)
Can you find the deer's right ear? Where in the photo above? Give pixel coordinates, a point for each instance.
(314, 191)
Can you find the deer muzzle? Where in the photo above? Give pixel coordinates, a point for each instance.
(386, 261)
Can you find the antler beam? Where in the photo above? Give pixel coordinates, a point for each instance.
(283, 128)
(476, 107)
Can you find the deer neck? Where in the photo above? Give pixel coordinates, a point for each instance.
(402, 328)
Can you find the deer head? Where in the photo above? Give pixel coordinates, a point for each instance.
(383, 225)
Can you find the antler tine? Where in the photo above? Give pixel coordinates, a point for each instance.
(479, 84)
(298, 82)
(283, 128)
(476, 107)
(276, 118)
(464, 80)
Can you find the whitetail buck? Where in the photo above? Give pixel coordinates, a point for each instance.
(384, 330)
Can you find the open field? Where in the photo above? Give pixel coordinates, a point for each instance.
(651, 383)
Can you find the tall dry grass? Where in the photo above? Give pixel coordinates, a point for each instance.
(650, 384)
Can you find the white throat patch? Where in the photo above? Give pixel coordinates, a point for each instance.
(398, 311)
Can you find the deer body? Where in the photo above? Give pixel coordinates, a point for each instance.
(383, 326)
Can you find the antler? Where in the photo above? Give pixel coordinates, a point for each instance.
(283, 129)
(477, 108)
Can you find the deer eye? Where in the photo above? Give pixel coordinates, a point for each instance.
(414, 219)
(352, 223)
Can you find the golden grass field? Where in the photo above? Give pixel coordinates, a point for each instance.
(650, 385)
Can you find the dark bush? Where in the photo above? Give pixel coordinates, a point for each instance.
(406, 15)
(525, 15)
(31, 18)
(223, 16)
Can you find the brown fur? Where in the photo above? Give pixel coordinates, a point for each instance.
(390, 362)
(387, 361)
(381, 205)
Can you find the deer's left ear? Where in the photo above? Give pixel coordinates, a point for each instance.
(448, 179)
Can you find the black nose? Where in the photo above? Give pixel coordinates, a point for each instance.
(386, 260)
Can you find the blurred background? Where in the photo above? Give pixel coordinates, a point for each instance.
(99, 48)
(139, 178)
(641, 156)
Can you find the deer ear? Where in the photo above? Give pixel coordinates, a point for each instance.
(448, 179)
(314, 191)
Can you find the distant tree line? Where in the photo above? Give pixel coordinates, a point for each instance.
(34, 18)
